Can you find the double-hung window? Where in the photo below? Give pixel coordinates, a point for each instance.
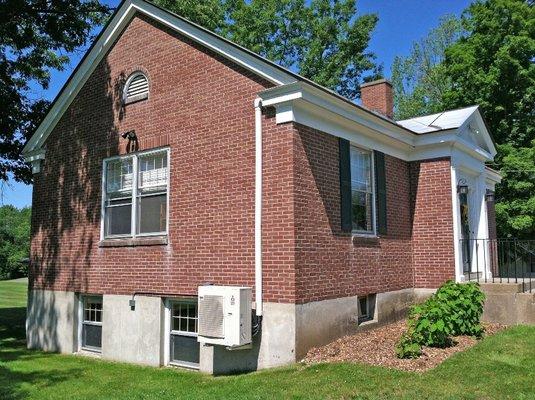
(136, 194)
(183, 345)
(91, 328)
(362, 191)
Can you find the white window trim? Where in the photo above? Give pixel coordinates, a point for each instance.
(134, 195)
(373, 232)
(168, 332)
(82, 322)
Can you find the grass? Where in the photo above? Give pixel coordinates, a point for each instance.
(499, 367)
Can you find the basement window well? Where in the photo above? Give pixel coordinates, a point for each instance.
(366, 308)
(91, 323)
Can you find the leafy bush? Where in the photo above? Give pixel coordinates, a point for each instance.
(455, 309)
(407, 347)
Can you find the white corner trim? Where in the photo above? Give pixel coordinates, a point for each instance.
(123, 16)
(459, 276)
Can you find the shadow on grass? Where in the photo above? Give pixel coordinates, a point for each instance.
(13, 348)
(13, 383)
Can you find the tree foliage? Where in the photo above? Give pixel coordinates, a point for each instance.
(323, 40)
(14, 241)
(419, 79)
(491, 64)
(35, 36)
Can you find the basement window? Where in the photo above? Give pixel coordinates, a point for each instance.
(135, 197)
(91, 323)
(183, 345)
(136, 88)
(366, 308)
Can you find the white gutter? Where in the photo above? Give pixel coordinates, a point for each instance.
(258, 206)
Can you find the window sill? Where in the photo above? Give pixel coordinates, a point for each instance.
(365, 240)
(134, 242)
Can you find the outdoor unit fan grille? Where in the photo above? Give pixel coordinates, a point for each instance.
(211, 317)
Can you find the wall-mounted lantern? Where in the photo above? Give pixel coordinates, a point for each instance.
(462, 189)
(489, 196)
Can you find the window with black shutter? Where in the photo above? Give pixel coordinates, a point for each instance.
(362, 190)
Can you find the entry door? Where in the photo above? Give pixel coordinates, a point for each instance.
(465, 231)
(183, 345)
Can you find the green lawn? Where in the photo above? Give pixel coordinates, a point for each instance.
(500, 367)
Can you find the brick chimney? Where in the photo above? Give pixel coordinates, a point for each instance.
(378, 96)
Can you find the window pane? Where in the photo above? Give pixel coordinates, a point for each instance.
(153, 170)
(362, 211)
(119, 175)
(184, 349)
(118, 217)
(152, 211)
(92, 336)
(360, 170)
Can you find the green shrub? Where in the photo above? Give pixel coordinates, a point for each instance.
(465, 307)
(455, 309)
(407, 347)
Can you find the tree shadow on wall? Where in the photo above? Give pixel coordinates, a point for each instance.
(67, 200)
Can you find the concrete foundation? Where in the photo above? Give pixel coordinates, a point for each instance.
(52, 321)
(506, 304)
(134, 336)
(139, 335)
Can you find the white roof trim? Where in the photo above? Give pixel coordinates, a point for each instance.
(120, 20)
(305, 104)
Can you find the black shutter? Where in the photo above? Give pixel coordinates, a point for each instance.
(380, 186)
(345, 186)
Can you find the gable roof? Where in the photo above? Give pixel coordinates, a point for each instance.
(283, 78)
(124, 13)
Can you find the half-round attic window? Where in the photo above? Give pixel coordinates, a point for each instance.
(136, 88)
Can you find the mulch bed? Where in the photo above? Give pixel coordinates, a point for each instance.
(377, 347)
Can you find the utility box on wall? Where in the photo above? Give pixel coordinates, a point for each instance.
(225, 315)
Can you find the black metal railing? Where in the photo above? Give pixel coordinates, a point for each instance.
(499, 260)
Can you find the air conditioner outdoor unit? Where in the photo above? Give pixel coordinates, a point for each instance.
(225, 315)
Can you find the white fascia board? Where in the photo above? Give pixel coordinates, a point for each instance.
(477, 118)
(492, 177)
(301, 103)
(240, 56)
(315, 117)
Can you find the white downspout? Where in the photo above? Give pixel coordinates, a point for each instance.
(258, 207)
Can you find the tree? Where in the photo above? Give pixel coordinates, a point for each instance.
(419, 79)
(493, 65)
(14, 241)
(34, 37)
(323, 40)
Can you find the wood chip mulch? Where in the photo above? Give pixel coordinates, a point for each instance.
(377, 347)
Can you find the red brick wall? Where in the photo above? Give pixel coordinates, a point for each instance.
(432, 235)
(202, 106)
(329, 263)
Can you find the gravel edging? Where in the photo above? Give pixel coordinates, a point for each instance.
(377, 347)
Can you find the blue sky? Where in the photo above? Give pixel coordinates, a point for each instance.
(401, 22)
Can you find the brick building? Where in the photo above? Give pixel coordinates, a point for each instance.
(173, 159)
